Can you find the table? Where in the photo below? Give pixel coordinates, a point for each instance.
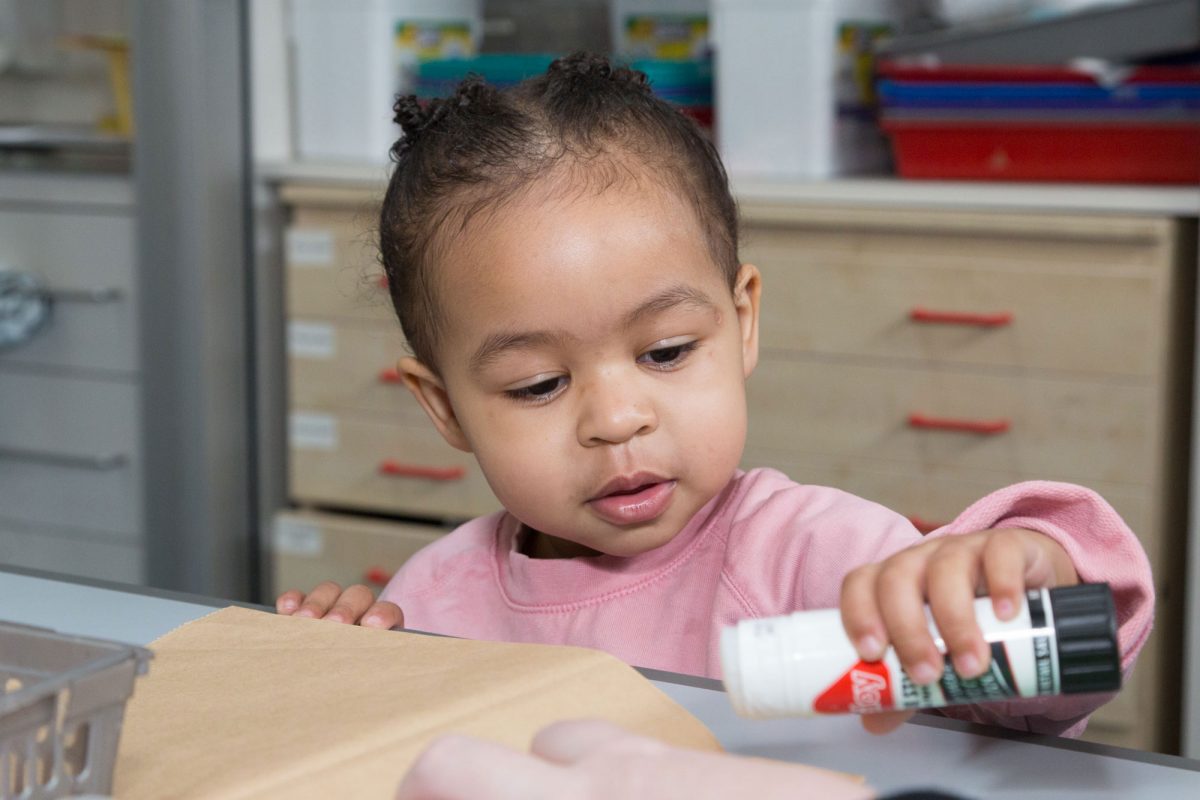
(955, 756)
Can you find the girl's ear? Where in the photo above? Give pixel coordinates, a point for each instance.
(747, 291)
(430, 392)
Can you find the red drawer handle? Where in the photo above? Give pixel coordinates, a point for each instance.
(986, 427)
(923, 525)
(390, 375)
(996, 320)
(401, 470)
(377, 575)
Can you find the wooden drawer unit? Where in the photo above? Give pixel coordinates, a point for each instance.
(340, 365)
(69, 452)
(359, 461)
(923, 358)
(84, 259)
(1023, 424)
(332, 260)
(310, 547)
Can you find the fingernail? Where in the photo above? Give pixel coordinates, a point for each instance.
(372, 621)
(305, 612)
(289, 605)
(967, 665)
(1005, 609)
(870, 648)
(924, 673)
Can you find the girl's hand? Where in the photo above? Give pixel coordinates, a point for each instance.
(354, 606)
(883, 603)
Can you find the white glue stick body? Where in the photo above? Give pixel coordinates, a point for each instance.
(1062, 641)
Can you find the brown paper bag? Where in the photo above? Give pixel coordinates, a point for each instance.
(243, 704)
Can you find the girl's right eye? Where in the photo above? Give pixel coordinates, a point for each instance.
(539, 392)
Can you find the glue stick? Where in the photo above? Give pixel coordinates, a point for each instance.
(1062, 641)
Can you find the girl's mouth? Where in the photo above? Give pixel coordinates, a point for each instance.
(634, 500)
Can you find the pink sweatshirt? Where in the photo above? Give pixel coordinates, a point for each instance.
(764, 546)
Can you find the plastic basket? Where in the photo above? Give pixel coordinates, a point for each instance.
(61, 709)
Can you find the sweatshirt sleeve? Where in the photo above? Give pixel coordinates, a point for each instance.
(1103, 549)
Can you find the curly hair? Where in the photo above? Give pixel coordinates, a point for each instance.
(469, 153)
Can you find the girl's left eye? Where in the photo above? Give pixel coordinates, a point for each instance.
(668, 356)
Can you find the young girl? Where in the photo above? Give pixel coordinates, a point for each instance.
(563, 259)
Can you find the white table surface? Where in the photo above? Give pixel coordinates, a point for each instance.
(933, 753)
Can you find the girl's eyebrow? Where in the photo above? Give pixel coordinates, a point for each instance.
(497, 344)
(677, 295)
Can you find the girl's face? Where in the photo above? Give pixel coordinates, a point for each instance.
(594, 361)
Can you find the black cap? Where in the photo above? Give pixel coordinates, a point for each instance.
(1085, 625)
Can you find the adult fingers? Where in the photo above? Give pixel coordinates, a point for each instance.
(383, 614)
(351, 604)
(463, 768)
(900, 587)
(951, 576)
(860, 613)
(570, 741)
(289, 601)
(319, 600)
(885, 721)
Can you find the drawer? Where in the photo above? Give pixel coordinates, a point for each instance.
(987, 300)
(310, 547)
(87, 263)
(70, 552)
(1056, 429)
(353, 461)
(333, 268)
(70, 452)
(338, 365)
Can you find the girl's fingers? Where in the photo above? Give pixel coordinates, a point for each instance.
(860, 613)
(289, 601)
(952, 573)
(383, 614)
(462, 768)
(901, 582)
(319, 600)
(1004, 568)
(886, 721)
(351, 604)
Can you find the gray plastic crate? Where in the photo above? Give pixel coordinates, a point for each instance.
(62, 701)
(1119, 33)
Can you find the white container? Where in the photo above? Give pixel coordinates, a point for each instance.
(669, 29)
(350, 58)
(792, 92)
(1062, 641)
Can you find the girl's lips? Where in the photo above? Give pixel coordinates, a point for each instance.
(645, 504)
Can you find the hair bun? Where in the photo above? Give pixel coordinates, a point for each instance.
(415, 117)
(582, 67)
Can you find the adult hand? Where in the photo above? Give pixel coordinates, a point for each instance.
(596, 760)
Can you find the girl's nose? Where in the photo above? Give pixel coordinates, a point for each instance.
(613, 412)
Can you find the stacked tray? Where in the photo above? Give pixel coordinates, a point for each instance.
(1137, 125)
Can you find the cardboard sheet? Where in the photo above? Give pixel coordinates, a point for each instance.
(244, 704)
